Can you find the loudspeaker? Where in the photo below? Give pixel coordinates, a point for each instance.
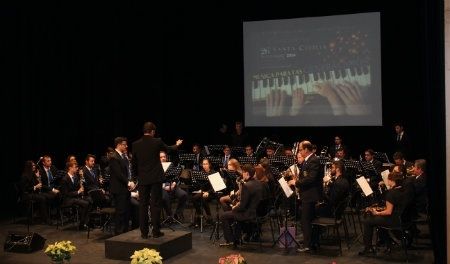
(23, 242)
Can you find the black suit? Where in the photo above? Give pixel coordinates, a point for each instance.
(118, 166)
(150, 175)
(417, 186)
(69, 191)
(92, 182)
(309, 184)
(251, 194)
(403, 145)
(338, 190)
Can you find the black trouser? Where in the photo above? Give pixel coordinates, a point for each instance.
(227, 219)
(152, 193)
(122, 205)
(373, 221)
(308, 214)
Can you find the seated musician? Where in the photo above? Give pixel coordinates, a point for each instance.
(34, 190)
(202, 198)
(94, 180)
(245, 209)
(72, 192)
(336, 189)
(232, 197)
(173, 189)
(397, 199)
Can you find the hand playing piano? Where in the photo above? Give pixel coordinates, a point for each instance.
(277, 102)
(344, 98)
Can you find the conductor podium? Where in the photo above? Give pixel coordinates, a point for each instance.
(121, 247)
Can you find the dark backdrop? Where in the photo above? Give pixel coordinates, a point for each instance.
(78, 76)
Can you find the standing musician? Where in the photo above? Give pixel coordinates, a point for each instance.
(309, 184)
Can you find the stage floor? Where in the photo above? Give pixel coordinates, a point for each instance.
(203, 250)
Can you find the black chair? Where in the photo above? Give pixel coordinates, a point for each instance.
(334, 223)
(253, 227)
(102, 216)
(21, 203)
(402, 228)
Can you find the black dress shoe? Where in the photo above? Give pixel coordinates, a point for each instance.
(157, 234)
(367, 252)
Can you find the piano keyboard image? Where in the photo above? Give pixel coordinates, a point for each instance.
(307, 82)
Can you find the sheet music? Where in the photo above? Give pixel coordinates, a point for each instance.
(166, 165)
(217, 182)
(365, 187)
(384, 175)
(284, 185)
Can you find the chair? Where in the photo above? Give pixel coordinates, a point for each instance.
(102, 216)
(254, 226)
(334, 222)
(402, 227)
(21, 203)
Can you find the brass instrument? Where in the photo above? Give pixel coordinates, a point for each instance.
(82, 180)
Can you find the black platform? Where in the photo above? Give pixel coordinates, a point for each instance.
(172, 243)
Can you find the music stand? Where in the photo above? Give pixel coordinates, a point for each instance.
(237, 151)
(199, 181)
(215, 150)
(323, 160)
(171, 174)
(216, 162)
(282, 162)
(381, 156)
(186, 158)
(218, 185)
(283, 237)
(247, 160)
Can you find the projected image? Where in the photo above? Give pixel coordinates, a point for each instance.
(322, 71)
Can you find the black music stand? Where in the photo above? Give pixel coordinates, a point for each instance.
(186, 158)
(283, 237)
(216, 162)
(199, 182)
(247, 160)
(172, 174)
(282, 162)
(381, 156)
(324, 160)
(237, 151)
(214, 150)
(217, 224)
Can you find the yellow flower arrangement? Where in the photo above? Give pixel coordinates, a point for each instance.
(60, 251)
(146, 256)
(233, 259)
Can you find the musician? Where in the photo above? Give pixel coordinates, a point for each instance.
(72, 192)
(120, 184)
(239, 137)
(400, 160)
(234, 167)
(336, 190)
(197, 151)
(93, 179)
(226, 156)
(202, 198)
(401, 141)
(251, 195)
(49, 174)
(32, 188)
(418, 185)
(171, 189)
(336, 146)
(249, 152)
(396, 201)
(309, 184)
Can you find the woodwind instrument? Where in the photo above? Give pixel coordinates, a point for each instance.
(81, 176)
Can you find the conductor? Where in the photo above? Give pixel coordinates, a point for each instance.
(150, 175)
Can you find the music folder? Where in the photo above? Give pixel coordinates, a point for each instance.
(166, 165)
(384, 175)
(285, 186)
(217, 182)
(365, 187)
